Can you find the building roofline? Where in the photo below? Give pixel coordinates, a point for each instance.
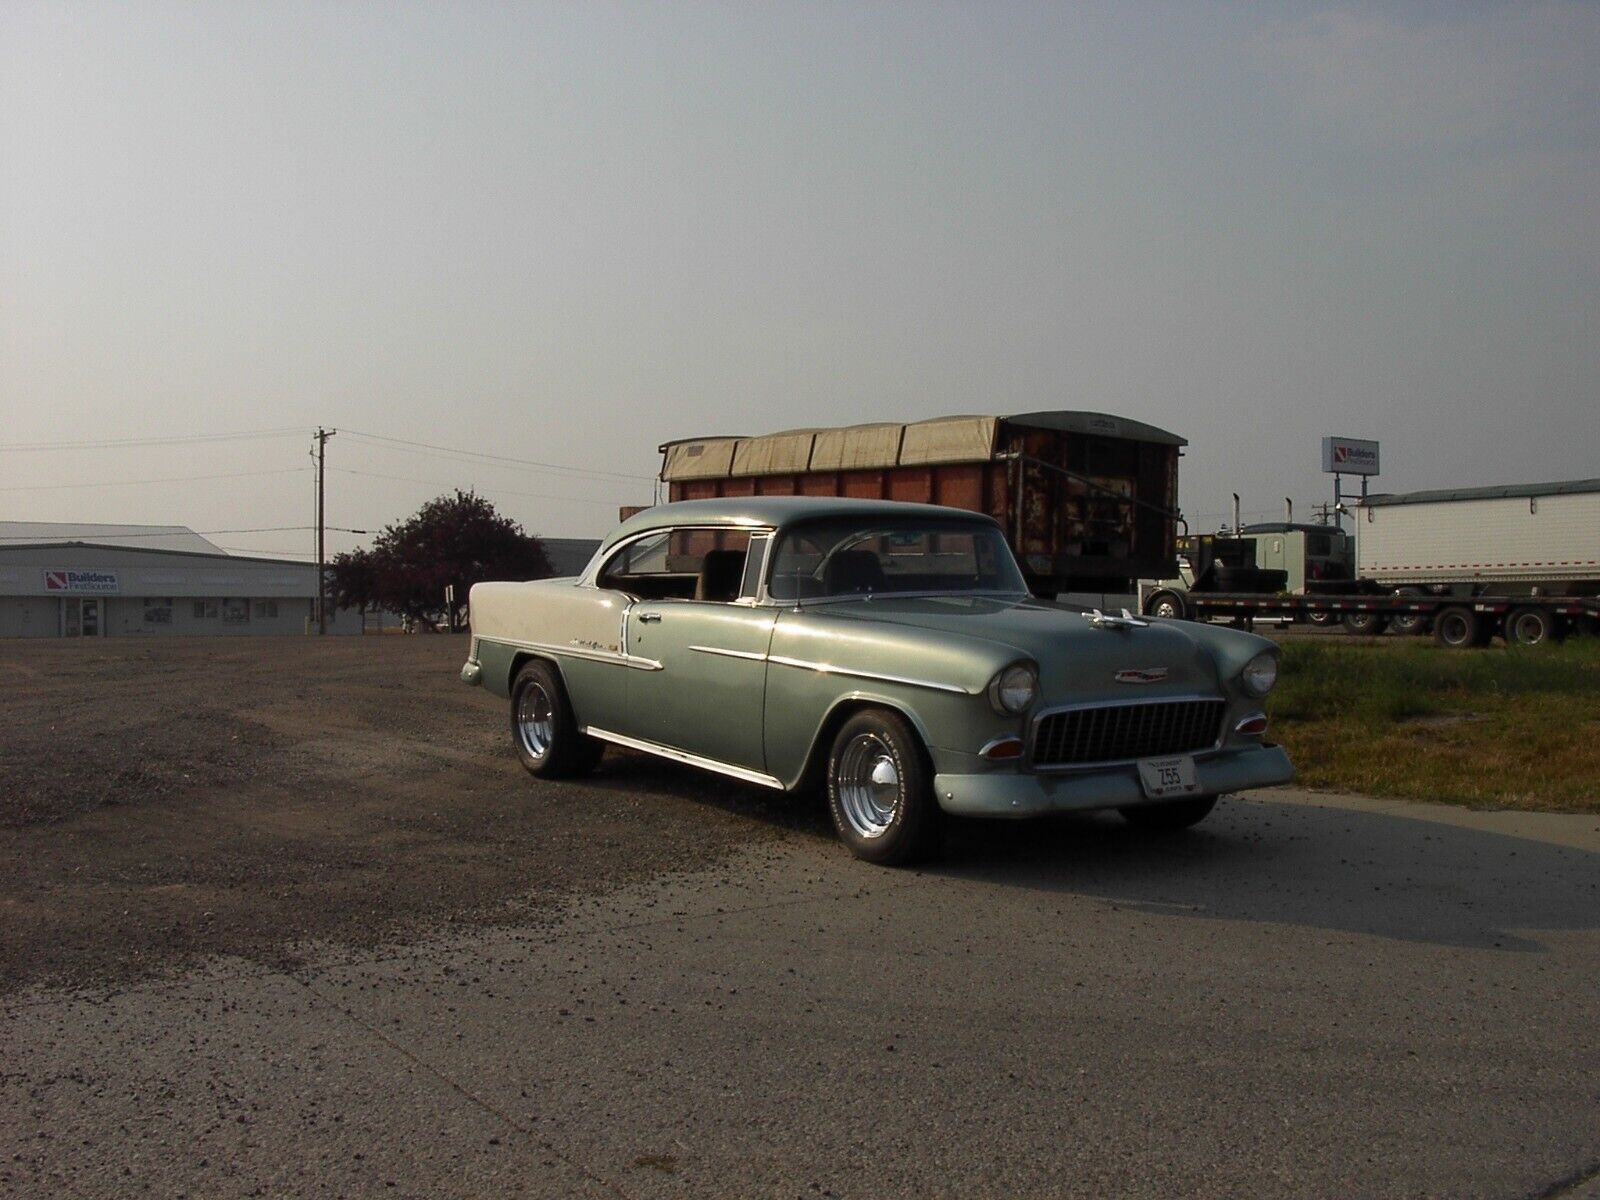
(221, 557)
(1509, 491)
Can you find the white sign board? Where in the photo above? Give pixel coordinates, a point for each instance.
(81, 582)
(1349, 456)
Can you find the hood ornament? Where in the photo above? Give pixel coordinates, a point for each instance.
(1127, 620)
(1141, 675)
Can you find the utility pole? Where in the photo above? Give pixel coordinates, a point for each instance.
(322, 435)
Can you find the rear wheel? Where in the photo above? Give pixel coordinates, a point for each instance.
(880, 790)
(1533, 627)
(1166, 604)
(1365, 624)
(1409, 623)
(1169, 815)
(1458, 627)
(543, 729)
(1321, 617)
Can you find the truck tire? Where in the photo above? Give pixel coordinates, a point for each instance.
(1365, 624)
(1531, 626)
(1458, 627)
(1167, 604)
(1410, 624)
(1321, 617)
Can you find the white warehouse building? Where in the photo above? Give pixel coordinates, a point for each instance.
(60, 580)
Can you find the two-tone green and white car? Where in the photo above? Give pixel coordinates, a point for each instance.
(890, 651)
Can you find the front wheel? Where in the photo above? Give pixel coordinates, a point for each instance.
(880, 790)
(1170, 815)
(543, 729)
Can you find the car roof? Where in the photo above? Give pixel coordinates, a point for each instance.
(777, 512)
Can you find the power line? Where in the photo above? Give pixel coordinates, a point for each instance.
(486, 491)
(421, 447)
(175, 440)
(58, 487)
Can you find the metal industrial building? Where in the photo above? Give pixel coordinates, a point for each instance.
(59, 580)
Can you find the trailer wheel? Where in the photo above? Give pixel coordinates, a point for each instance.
(1409, 623)
(1321, 617)
(1458, 627)
(1365, 624)
(1166, 604)
(1533, 627)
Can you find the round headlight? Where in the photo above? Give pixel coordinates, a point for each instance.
(1260, 673)
(1015, 689)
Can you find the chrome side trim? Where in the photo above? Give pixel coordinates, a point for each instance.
(683, 756)
(752, 655)
(830, 669)
(1055, 768)
(634, 661)
(867, 597)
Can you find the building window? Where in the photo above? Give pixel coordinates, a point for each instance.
(235, 612)
(158, 610)
(266, 610)
(205, 610)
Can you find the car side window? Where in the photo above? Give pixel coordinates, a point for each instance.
(681, 564)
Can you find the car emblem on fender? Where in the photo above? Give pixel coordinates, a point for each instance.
(1141, 675)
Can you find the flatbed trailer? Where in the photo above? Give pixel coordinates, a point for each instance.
(1457, 621)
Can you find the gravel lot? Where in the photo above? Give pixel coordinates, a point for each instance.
(326, 938)
(164, 800)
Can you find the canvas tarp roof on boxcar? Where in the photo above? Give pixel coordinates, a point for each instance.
(919, 443)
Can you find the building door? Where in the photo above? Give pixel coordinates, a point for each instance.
(80, 618)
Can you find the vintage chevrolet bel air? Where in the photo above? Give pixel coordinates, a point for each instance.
(888, 651)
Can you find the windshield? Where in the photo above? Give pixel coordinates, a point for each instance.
(858, 557)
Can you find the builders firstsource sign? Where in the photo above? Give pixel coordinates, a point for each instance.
(1348, 456)
(81, 581)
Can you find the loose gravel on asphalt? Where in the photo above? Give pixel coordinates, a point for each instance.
(423, 974)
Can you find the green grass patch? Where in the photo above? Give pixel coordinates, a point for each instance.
(1500, 727)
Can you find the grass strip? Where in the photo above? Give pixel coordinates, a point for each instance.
(1501, 727)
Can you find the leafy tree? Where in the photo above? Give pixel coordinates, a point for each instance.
(451, 541)
(353, 580)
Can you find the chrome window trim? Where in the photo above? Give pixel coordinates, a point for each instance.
(683, 756)
(1101, 764)
(590, 577)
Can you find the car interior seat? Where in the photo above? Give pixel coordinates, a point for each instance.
(721, 572)
(853, 571)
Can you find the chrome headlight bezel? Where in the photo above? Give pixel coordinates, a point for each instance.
(1014, 689)
(1260, 674)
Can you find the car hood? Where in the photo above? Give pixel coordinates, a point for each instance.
(1076, 659)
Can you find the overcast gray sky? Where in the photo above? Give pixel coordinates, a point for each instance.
(569, 232)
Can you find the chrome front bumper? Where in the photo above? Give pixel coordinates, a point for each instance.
(1025, 794)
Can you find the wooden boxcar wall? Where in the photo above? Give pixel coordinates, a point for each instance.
(1104, 522)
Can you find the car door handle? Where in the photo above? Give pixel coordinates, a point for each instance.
(649, 618)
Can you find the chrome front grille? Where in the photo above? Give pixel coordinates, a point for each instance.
(1119, 732)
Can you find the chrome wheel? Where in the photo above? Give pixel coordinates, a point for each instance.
(536, 722)
(868, 786)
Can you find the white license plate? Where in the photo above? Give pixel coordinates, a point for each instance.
(1168, 777)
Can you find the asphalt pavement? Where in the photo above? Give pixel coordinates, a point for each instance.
(1305, 996)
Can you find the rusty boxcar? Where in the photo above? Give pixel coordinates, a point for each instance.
(1088, 501)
